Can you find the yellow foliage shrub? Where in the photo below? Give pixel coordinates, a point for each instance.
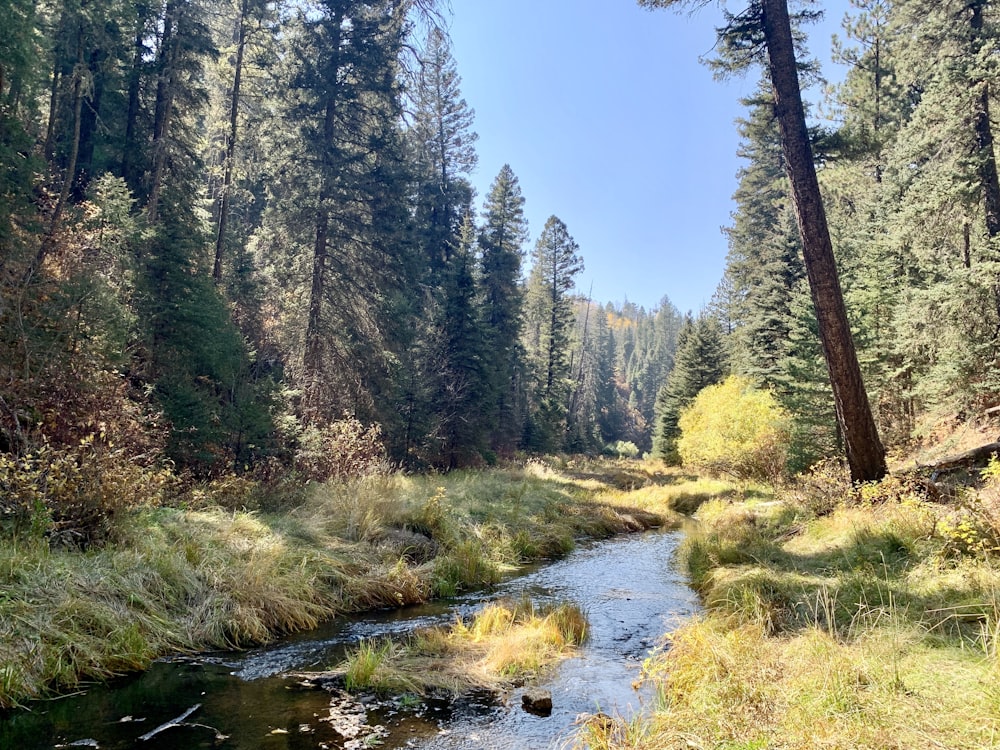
(72, 494)
(734, 428)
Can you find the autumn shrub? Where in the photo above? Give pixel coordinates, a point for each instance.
(736, 429)
(821, 489)
(74, 494)
(971, 525)
(338, 450)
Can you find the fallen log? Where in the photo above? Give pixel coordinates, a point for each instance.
(964, 460)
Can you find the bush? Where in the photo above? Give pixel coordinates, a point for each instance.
(623, 449)
(343, 449)
(72, 495)
(737, 429)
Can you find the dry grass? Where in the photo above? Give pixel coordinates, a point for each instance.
(180, 579)
(864, 627)
(503, 644)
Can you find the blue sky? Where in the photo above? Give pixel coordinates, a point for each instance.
(610, 122)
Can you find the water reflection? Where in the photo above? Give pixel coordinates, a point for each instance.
(629, 588)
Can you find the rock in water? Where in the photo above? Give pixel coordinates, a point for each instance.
(537, 701)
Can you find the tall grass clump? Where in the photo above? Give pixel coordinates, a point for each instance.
(503, 643)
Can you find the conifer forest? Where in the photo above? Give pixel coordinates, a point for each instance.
(270, 359)
(239, 238)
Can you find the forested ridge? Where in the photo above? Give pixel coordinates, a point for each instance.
(241, 238)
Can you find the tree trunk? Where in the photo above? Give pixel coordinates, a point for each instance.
(90, 123)
(130, 146)
(985, 156)
(234, 110)
(865, 454)
(50, 127)
(54, 223)
(312, 360)
(163, 111)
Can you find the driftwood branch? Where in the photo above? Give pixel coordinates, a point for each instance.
(179, 721)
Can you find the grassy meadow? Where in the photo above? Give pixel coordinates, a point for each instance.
(835, 618)
(206, 573)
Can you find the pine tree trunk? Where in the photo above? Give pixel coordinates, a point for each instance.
(130, 146)
(163, 111)
(54, 223)
(985, 155)
(50, 126)
(312, 360)
(227, 181)
(865, 454)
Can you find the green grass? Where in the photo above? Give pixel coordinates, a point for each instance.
(200, 577)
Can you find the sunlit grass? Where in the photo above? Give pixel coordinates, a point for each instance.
(504, 643)
(856, 628)
(201, 576)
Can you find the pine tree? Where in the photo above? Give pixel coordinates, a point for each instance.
(330, 260)
(870, 100)
(183, 44)
(700, 361)
(246, 46)
(444, 145)
(549, 314)
(460, 379)
(503, 235)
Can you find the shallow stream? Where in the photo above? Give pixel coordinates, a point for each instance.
(628, 586)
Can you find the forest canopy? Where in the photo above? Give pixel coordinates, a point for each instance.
(241, 237)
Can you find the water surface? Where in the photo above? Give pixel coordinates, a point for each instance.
(628, 586)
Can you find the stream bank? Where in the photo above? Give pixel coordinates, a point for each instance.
(628, 586)
(199, 576)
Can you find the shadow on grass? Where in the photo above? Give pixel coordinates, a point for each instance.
(844, 590)
(621, 478)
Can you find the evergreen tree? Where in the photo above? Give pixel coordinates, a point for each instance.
(764, 261)
(460, 357)
(700, 361)
(183, 44)
(219, 413)
(330, 253)
(17, 51)
(652, 359)
(549, 314)
(870, 101)
(441, 144)
(444, 145)
(246, 49)
(503, 235)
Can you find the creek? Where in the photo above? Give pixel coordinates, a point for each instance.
(628, 586)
